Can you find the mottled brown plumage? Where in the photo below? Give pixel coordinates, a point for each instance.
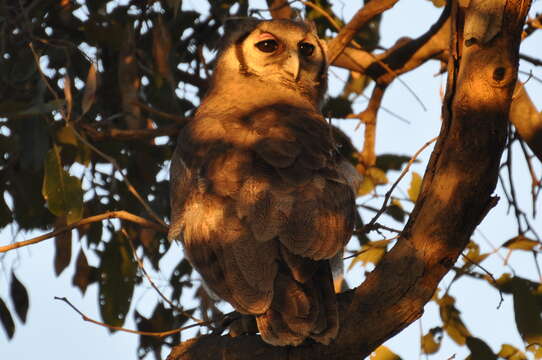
(260, 196)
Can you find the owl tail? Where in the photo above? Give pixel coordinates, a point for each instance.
(302, 307)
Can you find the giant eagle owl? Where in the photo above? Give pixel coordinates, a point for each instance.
(260, 196)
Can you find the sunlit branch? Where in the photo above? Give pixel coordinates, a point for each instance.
(118, 328)
(124, 215)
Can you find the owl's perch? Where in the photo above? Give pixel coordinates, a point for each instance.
(457, 187)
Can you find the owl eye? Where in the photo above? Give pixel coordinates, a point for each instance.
(267, 46)
(306, 49)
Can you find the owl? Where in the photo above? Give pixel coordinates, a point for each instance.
(261, 199)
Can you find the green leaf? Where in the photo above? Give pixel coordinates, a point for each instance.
(391, 161)
(34, 143)
(62, 191)
(527, 312)
(5, 212)
(415, 186)
(63, 247)
(384, 353)
(430, 342)
(6, 319)
(479, 350)
(84, 274)
(510, 352)
(19, 296)
(337, 107)
(521, 242)
(452, 323)
(117, 280)
(395, 210)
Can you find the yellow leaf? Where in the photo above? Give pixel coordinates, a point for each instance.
(366, 186)
(521, 242)
(510, 352)
(378, 176)
(371, 252)
(415, 185)
(430, 342)
(384, 353)
(90, 90)
(452, 323)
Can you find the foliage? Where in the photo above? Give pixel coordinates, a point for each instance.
(92, 95)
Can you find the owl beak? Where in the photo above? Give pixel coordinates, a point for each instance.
(291, 66)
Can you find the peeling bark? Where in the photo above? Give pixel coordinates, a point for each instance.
(456, 193)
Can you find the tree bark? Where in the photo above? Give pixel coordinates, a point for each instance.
(455, 196)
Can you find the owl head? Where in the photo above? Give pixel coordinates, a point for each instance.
(283, 55)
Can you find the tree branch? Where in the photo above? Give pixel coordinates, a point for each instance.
(160, 334)
(364, 15)
(457, 187)
(405, 55)
(124, 215)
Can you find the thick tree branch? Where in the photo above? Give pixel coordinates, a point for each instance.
(457, 187)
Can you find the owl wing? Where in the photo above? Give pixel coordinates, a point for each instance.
(260, 203)
(204, 173)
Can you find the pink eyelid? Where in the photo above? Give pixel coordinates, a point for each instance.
(265, 36)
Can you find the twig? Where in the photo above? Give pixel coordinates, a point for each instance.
(178, 119)
(149, 279)
(532, 60)
(129, 135)
(488, 274)
(118, 328)
(124, 215)
(403, 173)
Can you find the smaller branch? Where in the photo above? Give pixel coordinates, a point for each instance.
(124, 215)
(130, 135)
(368, 117)
(403, 173)
(364, 15)
(531, 59)
(177, 119)
(118, 328)
(533, 25)
(535, 183)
